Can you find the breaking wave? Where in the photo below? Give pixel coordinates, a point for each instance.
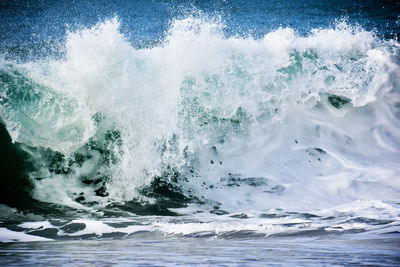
(201, 121)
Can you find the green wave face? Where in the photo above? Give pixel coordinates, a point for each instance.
(38, 116)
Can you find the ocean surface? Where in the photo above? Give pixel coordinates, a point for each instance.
(159, 133)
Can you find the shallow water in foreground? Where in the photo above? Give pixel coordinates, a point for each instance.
(306, 251)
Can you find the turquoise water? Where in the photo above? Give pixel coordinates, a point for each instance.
(177, 133)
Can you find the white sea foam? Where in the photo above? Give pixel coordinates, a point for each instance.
(7, 236)
(286, 121)
(363, 217)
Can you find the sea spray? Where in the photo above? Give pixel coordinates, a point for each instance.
(283, 121)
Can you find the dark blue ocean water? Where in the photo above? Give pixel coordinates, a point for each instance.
(30, 27)
(199, 132)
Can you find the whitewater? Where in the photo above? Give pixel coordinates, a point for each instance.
(203, 135)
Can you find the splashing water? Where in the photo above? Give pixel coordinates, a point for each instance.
(273, 128)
